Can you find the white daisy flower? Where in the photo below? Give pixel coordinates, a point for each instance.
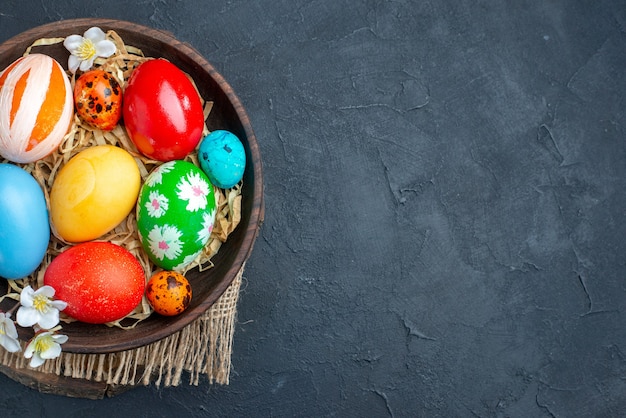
(186, 261)
(156, 176)
(165, 242)
(194, 189)
(157, 204)
(207, 227)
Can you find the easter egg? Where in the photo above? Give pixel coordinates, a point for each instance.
(93, 193)
(223, 158)
(36, 108)
(169, 293)
(24, 227)
(162, 111)
(98, 99)
(100, 281)
(175, 214)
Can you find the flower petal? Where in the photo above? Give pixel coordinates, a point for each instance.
(86, 65)
(30, 349)
(58, 304)
(47, 291)
(9, 328)
(72, 63)
(49, 320)
(105, 48)
(27, 316)
(36, 361)
(60, 338)
(26, 297)
(72, 42)
(10, 344)
(53, 352)
(95, 34)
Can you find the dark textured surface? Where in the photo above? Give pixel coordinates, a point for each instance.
(445, 206)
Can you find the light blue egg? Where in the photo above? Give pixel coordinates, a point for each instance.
(24, 224)
(223, 158)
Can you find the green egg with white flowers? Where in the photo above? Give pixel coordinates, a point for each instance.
(175, 214)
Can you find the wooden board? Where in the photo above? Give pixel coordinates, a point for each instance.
(61, 385)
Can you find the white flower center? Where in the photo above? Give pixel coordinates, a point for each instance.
(86, 50)
(2, 329)
(40, 302)
(43, 344)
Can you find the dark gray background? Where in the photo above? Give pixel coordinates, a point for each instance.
(445, 207)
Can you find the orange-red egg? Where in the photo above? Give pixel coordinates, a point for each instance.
(169, 293)
(36, 108)
(100, 281)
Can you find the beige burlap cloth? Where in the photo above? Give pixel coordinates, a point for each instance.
(203, 347)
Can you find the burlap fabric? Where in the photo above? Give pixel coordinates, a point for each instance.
(202, 348)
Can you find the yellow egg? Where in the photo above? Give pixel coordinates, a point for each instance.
(93, 193)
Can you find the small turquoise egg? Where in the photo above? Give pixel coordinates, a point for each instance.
(223, 158)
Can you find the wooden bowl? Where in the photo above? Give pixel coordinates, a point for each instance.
(227, 113)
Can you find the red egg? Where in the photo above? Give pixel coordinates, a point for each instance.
(100, 281)
(162, 111)
(98, 99)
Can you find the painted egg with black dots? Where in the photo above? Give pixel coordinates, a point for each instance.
(169, 293)
(98, 99)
